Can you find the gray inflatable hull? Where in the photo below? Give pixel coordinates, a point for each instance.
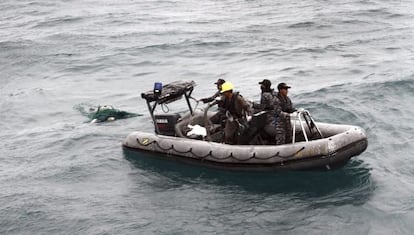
(343, 143)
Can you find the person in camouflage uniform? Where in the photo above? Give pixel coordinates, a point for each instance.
(217, 94)
(220, 115)
(269, 102)
(237, 109)
(287, 108)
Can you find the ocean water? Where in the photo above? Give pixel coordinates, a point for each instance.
(348, 62)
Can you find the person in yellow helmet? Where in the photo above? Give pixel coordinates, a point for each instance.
(237, 110)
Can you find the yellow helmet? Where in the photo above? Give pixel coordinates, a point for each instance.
(227, 86)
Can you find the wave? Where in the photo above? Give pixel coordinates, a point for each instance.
(385, 13)
(58, 21)
(354, 179)
(306, 24)
(17, 44)
(359, 104)
(185, 44)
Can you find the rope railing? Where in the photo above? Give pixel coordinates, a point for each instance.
(210, 153)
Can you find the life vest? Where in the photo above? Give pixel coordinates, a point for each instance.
(230, 105)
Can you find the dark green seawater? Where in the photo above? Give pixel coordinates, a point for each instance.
(348, 62)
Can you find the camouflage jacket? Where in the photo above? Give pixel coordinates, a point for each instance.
(270, 102)
(285, 103)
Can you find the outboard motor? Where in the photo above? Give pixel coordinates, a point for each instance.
(166, 123)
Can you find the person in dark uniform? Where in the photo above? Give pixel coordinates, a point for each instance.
(270, 103)
(219, 116)
(287, 107)
(237, 109)
(285, 101)
(217, 94)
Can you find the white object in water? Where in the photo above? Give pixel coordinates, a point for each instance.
(105, 107)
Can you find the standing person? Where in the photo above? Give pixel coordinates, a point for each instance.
(237, 110)
(270, 103)
(285, 101)
(287, 107)
(217, 94)
(219, 116)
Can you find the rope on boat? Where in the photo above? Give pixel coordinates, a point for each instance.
(210, 154)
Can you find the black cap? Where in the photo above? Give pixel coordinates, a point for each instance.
(265, 83)
(282, 85)
(220, 81)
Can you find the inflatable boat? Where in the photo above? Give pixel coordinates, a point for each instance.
(191, 137)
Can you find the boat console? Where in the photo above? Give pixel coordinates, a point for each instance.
(165, 124)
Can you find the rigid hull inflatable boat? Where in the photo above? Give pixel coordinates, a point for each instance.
(315, 145)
